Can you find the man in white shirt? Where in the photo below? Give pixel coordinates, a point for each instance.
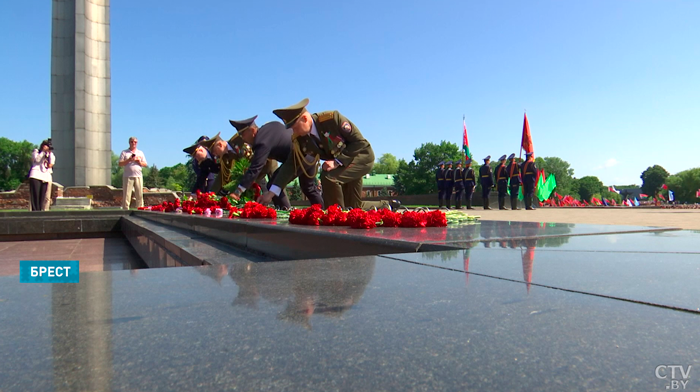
(133, 160)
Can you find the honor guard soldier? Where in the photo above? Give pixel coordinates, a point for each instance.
(440, 179)
(459, 185)
(502, 182)
(272, 141)
(331, 137)
(529, 171)
(486, 180)
(204, 165)
(514, 175)
(449, 184)
(469, 183)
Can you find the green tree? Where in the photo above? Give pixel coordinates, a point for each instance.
(387, 164)
(652, 179)
(418, 176)
(588, 186)
(117, 171)
(15, 161)
(152, 178)
(606, 194)
(684, 185)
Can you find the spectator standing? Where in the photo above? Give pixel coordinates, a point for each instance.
(133, 161)
(40, 176)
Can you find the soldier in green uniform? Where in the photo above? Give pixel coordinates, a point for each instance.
(502, 182)
(514, 175)
(331, 137)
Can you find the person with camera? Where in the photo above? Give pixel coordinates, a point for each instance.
(40, 176)
(133, 161)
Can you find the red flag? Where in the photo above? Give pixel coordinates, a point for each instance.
(697, 194)
(526, 143)
(664, 186)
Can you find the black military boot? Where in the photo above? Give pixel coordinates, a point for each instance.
(458, 204)
(528, 203)
(440, 204)
(447, 203)
(502, 203)
(486, 204)
(469, 204)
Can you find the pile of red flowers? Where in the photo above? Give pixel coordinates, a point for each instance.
(359, 219)
(166, 206)
(253, 210)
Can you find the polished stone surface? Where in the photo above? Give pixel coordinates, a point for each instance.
(366, 323)
(663, 279)
(94, 254)
(480, 231)
(167, 246)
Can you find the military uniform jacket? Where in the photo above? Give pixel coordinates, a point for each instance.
(449, 178)
(514, 173)
(206, 170)
(469, 180)
(501, 175)
(273, 141)
(440, 178)
(339, 140)
(529, 171)
(459, 179)
(485, 176)
(239, 149)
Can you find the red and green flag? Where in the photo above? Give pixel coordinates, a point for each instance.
(465, 141)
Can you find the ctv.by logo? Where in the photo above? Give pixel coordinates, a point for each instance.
(675, 372)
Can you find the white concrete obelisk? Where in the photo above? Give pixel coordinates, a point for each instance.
(81, 92)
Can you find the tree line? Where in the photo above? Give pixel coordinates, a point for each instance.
(410, 178)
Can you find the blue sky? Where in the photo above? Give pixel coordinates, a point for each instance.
(612, 87)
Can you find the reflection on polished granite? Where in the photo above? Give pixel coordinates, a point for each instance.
(655, 278)
(365, 323)
(480, 231)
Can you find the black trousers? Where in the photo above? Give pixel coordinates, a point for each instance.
(502, 189)
(441, 194)
(280, 201)
(37, 192)
(310, 189)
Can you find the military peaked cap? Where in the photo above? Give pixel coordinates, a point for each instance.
(200, 142)
(291, 114)
(488, 158)
(502, 157)
(511, 156)
(527, 154)
(468, 161)
(243, 124)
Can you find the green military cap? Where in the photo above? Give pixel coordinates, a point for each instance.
(291, 114)
(200, 142)
(243, 124)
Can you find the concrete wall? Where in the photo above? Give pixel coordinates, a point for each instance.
(81, 92)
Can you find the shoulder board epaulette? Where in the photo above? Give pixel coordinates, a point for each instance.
(325, 116)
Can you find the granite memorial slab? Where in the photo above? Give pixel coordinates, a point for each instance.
(365, 323)
(663, 279)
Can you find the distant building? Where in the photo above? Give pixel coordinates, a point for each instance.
(372, 185)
